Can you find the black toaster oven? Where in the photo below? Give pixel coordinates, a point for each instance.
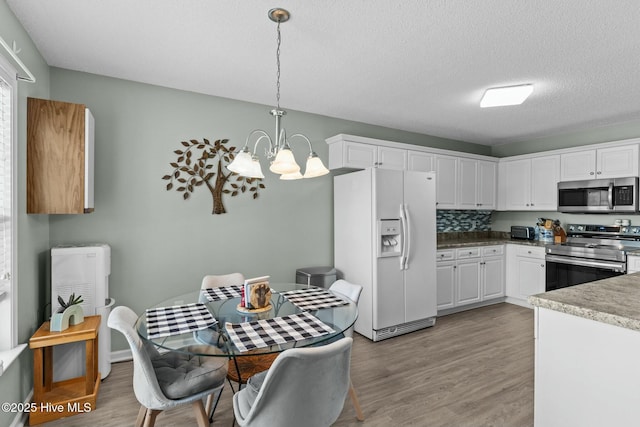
(522, 232)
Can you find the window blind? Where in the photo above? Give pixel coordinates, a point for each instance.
(5, 182)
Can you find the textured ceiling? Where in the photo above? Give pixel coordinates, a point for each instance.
(414, 65)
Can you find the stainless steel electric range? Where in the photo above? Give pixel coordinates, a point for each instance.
(591, 252)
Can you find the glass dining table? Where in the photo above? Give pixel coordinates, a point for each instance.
(227, 313)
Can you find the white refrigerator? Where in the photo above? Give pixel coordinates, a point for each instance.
(385, 240)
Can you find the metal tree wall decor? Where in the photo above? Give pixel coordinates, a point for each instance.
(194, 168)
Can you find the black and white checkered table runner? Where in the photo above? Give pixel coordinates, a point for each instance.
(278, 330)
(165, 321)
(224, 292)
(313, 299)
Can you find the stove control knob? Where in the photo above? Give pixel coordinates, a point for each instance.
(581, 228)
(571, 228)
(635, 230)
(625, 230)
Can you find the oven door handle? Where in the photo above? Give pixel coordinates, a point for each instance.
(614, 266)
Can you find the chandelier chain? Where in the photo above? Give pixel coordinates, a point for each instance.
(278, 67)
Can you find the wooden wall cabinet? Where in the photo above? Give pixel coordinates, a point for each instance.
(60, 140)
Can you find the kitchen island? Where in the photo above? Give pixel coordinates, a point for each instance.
(587, 354)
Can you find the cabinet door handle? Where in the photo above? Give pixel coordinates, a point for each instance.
(591, 173)
(532, 204)
(542, 265)
(599, 172)
(527, 204)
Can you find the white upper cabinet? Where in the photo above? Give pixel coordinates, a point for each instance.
(446, 182)
(419, 161)
(350, 154)
(545, 174)
(357, 155)
(476, 184)
(610, 162)
(392, 158)
(465, 181)
(529, 184)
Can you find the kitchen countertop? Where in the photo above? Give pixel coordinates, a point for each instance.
(615, 301)
(480, 238)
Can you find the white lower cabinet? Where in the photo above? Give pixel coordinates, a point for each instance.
(493, 277)
(468, 281)
(445, 280)
(525, 273)
(469, 275)
(633, 264)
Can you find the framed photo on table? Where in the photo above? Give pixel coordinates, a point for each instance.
(257, 292)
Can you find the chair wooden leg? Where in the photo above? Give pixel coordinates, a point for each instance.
(209, 404)
(142, 413)
(355, 401)
(150, 419)
(201, 416)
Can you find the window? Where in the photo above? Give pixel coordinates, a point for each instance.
(8, 299)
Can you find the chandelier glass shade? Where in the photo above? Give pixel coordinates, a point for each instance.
(246, 162)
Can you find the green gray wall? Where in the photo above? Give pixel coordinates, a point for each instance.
(163, 246)
(33, 232)
(575, 139)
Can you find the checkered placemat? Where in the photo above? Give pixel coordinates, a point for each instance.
(224, 292)
(162, 322)
(279, 330)
(313, 299)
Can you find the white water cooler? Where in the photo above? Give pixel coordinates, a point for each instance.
(83, 271)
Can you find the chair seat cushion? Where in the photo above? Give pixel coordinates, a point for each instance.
(181, 374)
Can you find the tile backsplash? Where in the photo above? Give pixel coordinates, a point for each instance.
(448, 221)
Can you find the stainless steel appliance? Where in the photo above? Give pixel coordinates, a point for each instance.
(591, 252)
(522, 232)
(599, 195)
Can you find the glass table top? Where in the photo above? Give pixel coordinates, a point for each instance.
(200, 342)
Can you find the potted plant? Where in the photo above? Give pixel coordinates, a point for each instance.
(70, 313)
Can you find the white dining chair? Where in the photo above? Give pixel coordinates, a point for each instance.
(351, 291)
(163, 381)
(304, 387)
(216, 281)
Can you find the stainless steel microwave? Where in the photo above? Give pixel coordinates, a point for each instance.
(598, 195)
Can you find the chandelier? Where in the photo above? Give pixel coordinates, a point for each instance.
(246, 163)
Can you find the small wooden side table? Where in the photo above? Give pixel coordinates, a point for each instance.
(69, 397)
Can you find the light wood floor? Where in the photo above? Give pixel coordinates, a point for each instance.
(472, 369)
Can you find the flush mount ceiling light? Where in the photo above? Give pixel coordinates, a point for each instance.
(508, 95)
(247, 163)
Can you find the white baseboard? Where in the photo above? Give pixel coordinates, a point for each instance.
(121, 356)
(518, 301)
(21, 418)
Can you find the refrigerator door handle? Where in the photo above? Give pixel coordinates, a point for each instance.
(407, 233)
(403, 224)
